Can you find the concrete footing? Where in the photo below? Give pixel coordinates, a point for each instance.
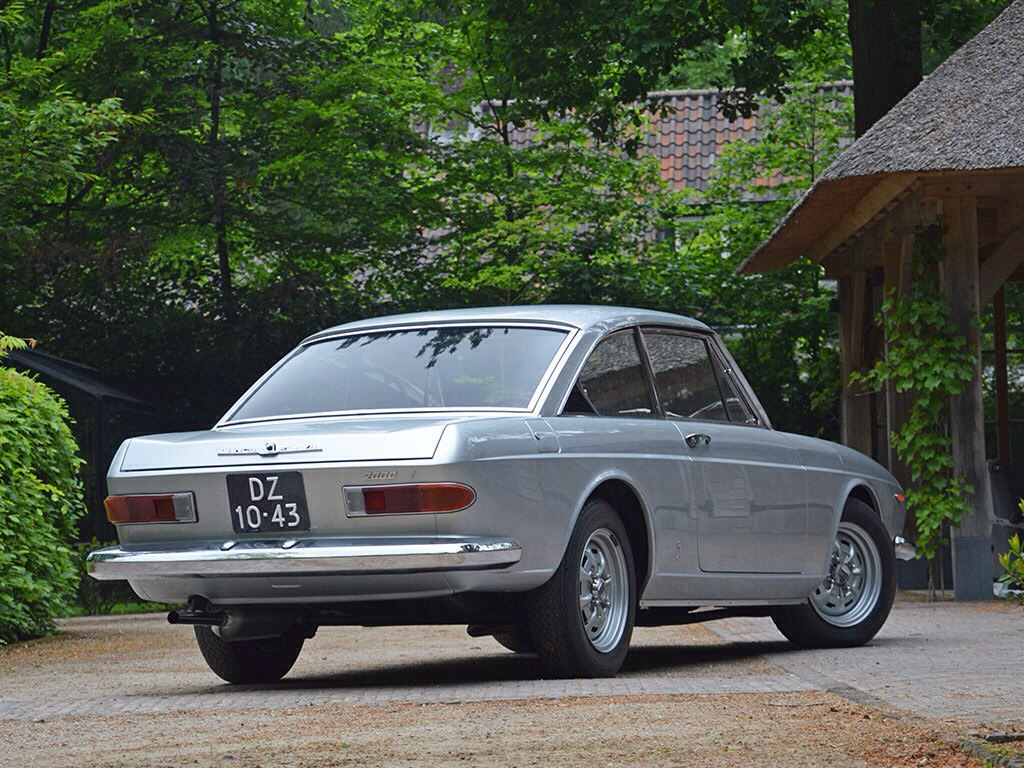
(972, 568)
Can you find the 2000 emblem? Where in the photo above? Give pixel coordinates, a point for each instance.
(385, 475)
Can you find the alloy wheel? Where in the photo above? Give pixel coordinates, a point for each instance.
(604, 590)
(853, 585)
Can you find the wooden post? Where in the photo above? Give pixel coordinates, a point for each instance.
(1002, 383)
(896, 258)
(856, 423)
(972, 538)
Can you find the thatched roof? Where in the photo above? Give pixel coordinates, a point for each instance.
(968, 115)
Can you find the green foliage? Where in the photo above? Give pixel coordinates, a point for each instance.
(822, 55)
(198, 184)
(784, 339)
(590, 58)
(928, 358)
(100, 598)
(40, 498)
(50, 138)
(948, 24)
(1013, 562)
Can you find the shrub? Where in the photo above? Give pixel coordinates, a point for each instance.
(40, 499)
(1013, 561)
(98, 598)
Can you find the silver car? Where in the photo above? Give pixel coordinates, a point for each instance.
(549, 475)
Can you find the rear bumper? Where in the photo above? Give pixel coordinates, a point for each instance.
(312, 557)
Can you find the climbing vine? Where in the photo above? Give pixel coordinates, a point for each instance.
(928, 357)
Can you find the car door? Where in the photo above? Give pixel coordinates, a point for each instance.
(750, 485)
(611, 421)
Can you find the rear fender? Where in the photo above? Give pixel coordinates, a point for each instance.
(631, 483)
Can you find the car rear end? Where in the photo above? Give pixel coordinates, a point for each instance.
(328, 481)
(312, 512)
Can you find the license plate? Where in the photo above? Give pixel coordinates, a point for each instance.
(268, 502)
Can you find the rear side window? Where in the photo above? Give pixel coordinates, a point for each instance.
(685, 377)
(613, 382)
(734, 404)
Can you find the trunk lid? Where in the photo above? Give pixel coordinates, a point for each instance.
(366, 438)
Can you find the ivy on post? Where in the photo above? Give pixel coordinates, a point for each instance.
(928, 356)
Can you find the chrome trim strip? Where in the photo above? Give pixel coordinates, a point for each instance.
(314, 557)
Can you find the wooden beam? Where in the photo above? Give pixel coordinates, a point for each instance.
(973, 189)
(855, 422)
(999, 181)
(1000, 264)
(864, 251)
(862, 213)
(897, 258)
(1002, 380)
(972, 538)
(862, 254)
(1009, 216)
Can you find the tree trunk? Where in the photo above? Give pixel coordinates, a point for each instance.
(886, 40)
(45, 28)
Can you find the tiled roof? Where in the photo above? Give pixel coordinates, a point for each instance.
(688, 136)
(688, 133)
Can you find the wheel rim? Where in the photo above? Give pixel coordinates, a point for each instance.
(604, 590)
(853, 585)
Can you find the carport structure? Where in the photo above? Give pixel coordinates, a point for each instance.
(947, 162)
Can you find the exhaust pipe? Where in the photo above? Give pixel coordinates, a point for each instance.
(243, 622)
(203, 617)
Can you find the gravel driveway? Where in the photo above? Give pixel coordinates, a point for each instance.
(134, 691)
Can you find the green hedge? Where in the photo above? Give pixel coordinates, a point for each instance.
(40, 499)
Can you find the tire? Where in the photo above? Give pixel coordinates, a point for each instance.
(516, 641)
(833, 617)
(568, 644)
(250, 661)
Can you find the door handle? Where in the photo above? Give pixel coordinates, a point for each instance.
(696, 438)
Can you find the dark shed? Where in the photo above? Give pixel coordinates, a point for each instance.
(104, 417)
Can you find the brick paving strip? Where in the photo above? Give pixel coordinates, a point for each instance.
(938, 661)
(935, 660)
(943, 661)
(457, 694)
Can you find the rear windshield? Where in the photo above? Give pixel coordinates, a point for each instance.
(450, 367)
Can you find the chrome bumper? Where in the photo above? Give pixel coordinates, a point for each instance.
(904, 550)
(316, 557)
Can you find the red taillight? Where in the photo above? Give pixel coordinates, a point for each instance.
(151, 508)
(416, 498)
(900, 497)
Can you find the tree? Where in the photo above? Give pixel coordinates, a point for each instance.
(887, 63)
(50, 139)
(890, 38)
(550, 59)
(240, 217)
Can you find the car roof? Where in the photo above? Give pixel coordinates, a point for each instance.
(582, 316)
